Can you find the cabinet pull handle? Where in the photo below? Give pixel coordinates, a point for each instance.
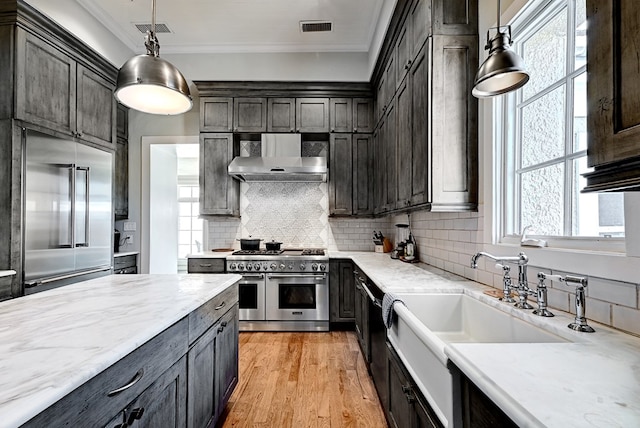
(205, 264)
(132, 382)
(135, 414)
(222, 305)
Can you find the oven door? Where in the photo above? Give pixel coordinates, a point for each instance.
(251, 292)
(297, 297)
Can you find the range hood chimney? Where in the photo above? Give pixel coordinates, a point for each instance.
(281, 160)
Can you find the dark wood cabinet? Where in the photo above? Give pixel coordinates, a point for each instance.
(363, 174)
(281, 115)
(340, 174)
(363, 115)
(340, 115)
(613, 96)
(121, 179)
(216, 114)
(454, 124)
(54, 90)
(213, 371)
(341, 291)
(404, 50)
(312, 114)
(420, 119)
(455, 17)
(404, 143)
(361, 312)
(219, 193)
(390, 159)
(420, 17)
(380, 188)
(407, 405)
(249, 115)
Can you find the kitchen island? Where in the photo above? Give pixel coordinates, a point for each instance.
(591, 380)
(55, 342)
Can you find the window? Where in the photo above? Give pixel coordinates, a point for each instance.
(545, 144)
(190, 232)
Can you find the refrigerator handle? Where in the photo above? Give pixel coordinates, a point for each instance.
(72, 198)
(85, 211)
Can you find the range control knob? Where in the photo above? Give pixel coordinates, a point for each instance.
(282, 266)
(290, 266)
(314, 266)
(273, 266)
(233, 266)
(256, 267)
(249, 266)
(323, 267)
(302, 266)
(240, 266)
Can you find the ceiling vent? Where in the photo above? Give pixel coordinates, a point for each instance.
(160, 28)
(315, 26)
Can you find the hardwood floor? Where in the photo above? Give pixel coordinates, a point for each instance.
(303, 380)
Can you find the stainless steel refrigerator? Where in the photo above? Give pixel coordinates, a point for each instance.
(68, 226)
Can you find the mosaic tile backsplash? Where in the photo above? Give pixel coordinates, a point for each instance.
(295, 214)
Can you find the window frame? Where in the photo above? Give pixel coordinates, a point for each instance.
(188, 181)
(531, 18)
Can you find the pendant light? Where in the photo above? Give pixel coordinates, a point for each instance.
(150, 84)
(503, 71)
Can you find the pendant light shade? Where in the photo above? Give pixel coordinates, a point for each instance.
(150, 84)
(503, 71)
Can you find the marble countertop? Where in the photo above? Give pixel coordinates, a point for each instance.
(54, 341)
(593, 380)
(210, 255)
(126, 253)
(4, 273)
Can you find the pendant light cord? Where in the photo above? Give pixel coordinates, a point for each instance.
(498, 14)
(151, 41)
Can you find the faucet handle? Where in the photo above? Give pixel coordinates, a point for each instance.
(541, 296)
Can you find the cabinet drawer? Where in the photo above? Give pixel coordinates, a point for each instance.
(205, 265)
(95, 402)
(124, 262)
(206, 315)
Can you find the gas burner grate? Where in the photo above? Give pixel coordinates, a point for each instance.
(257, 252)
(313, 252)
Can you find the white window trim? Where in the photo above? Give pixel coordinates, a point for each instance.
(604, 262)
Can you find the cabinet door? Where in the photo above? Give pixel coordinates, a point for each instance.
(216, 114)
(401, 398)
(341, 292)
(226, 365)
(380, 188)
(122, 121)
(340, 174)
(281, 115)
(162, 405)
(341, 114)
(362, 174)
(613, 95)
(390, 76)
(363, 115)
(381, 100)
(249, 114)
(420, 16)
(455, 17)
(96, 115)
(312, 114)
(454, 124)
(424, 416)
(405, 143)
(404, 50)
(121, 185)
(219, 193)
(390, 158)
(201, 385)
(419, 76)
(45, 84)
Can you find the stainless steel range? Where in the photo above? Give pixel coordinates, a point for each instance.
(284, 290)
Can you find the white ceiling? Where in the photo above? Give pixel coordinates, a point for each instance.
(243, 26)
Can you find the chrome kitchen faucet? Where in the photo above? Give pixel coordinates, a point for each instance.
(522, 289)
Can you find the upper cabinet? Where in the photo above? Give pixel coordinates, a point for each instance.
(363, 115)
(216, 114)
(426, 134)
(281, 115)
(121, 161)
(250, 115)
(58, 92)
(312, 114)
(219, 193)
(341, 114)
(613, 96)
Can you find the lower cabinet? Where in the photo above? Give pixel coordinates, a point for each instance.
(407, 407)
(361, 312)
(213, 370)
(341, 291)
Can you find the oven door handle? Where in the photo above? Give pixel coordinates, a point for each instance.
(285, 276)
(261, 276)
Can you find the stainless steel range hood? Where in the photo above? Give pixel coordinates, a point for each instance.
(281, 160)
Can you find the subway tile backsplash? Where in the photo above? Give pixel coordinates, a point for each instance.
(297, 215)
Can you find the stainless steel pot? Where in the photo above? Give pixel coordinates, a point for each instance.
(249, 243)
